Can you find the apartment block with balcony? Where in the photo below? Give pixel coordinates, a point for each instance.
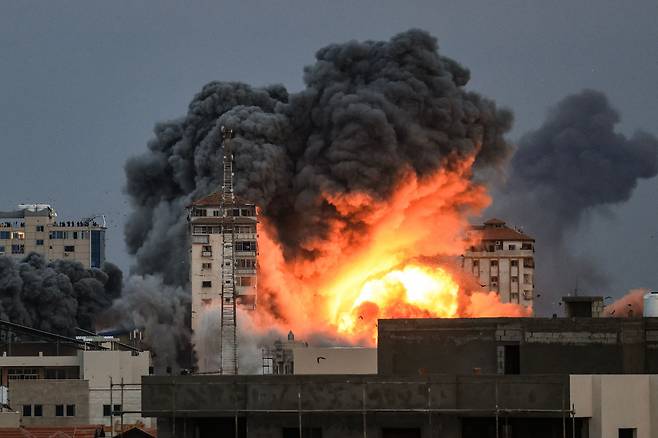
(211, 223)
(502, 260)
(36, 228)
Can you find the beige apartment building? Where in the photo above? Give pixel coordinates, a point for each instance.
(36, 228)
(224, 241)
(503, 261)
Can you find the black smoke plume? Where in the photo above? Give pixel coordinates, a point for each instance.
(370, 111)
(56, 296)
(574, 164)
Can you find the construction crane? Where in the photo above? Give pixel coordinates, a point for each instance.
(228, 350)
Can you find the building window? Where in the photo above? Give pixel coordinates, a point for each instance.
(38, 410)
(59, 410)
(39, 242)
(27, 410)
(5, 235)
(627, 432)
(515, 279)
(70, 410)
(199, 212)
(494, 263)
(217, 212)
(107, 410)
(200, 238)
(69, 248)
(248, 263)
(511, 247)
(206, 284)
(526, 278)
(206, 265)
(246, 281)
(18, 249)
(529, 263)
(2, 249)
(514, 263)
(75, 235)
(526, 246)
(514, 297)
(117, 408)
(55, 373)
(18, 236)
(245, 245)
(39, 228)
(22, 373)
(494, 279)
(206, 251)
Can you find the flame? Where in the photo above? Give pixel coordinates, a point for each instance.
(382, 258)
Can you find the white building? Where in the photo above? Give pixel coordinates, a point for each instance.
(503, 261)
(35, 228)
(211, 225)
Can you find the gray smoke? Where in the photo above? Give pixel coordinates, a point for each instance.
(574, 164)
(57, 296)
(369, 112)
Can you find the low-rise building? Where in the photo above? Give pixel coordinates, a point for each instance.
(36, 228)
(53, 380)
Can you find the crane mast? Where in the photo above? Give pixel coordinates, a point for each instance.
(228, 336)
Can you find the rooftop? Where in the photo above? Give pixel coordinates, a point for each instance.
(496, 229)
(215, 199)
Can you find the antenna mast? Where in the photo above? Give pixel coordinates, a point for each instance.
(228, 336)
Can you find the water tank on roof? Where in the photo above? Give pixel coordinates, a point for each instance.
(651, 304)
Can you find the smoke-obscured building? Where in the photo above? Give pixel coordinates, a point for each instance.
(212, 225)
(35, 228)
(503, 261)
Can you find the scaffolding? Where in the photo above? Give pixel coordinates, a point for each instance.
(228, 348)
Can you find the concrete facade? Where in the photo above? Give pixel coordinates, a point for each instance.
(210, 223)
(502, 260)
(35, 228)
(350, 405)
(82, 380)
(335, 360)
(518, 346)
(614, 402)
(56, 397)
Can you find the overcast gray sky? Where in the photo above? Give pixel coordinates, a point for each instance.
(82, 84)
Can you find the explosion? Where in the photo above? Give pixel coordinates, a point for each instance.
(400, 263)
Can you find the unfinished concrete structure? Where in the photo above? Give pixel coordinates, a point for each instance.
(502, 261)
(35, 228)
(448, 378)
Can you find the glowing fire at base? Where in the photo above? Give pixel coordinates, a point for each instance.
(412, 292)
(391, 258)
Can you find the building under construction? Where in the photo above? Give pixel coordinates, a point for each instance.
(223, 260)
(576, 377)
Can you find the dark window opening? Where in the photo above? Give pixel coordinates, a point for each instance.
(27, 410)
(107, 410)
(512, 359)
(628, 432)
(307, 432)
(38, 410)
(69, 248)
(70, 410)
(206, 284)
(59, 410)
(400, 432)
(117, 409)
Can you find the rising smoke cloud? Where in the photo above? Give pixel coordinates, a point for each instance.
(371, 113)
(55, 296)
(573, 164)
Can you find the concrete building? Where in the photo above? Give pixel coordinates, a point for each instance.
(53, 380)
(447, 378)
(35, 228)
(211, 224)
(502, 260)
